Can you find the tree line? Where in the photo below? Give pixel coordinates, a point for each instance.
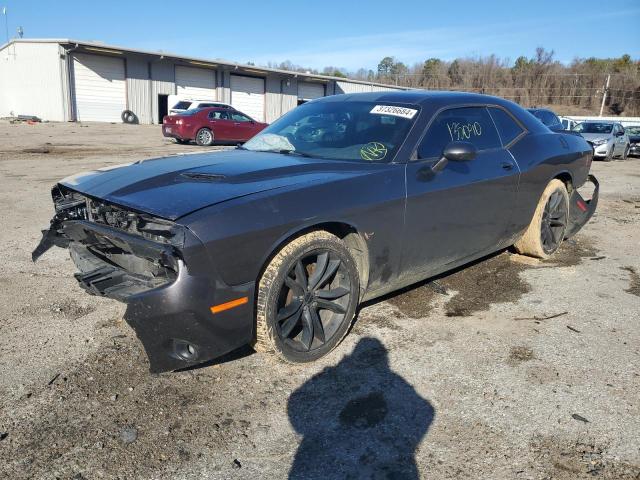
(540, 80)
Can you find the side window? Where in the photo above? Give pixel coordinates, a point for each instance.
(217, 115)
(467, 124)
(507, 126)
(239, 117)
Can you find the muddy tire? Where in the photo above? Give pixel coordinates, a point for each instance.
(307, 297)
(204, 137)
(549, 224)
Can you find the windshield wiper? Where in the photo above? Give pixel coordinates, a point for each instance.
(293, 152)
(282, 151)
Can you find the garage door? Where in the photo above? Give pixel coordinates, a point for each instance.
(309, 90)
(247, 95)
(100, 88)
(195, 83)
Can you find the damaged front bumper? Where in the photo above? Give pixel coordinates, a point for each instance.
(581, 210)
(163, 273)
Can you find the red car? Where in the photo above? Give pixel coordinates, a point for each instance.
(208, 125)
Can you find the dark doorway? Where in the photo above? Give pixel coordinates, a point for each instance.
(163, 107)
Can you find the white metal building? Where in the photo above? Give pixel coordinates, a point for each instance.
(68, 80)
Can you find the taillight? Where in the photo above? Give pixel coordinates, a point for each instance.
(179, 121)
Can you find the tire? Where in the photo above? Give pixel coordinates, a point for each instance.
(609, 156)
(204, 137)
(549, 224)
(296, 336)
(625, 155)
(128, 116)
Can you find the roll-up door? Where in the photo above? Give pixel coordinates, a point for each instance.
(310, 90)
(247, 95)
(99, 87)
(196, 83)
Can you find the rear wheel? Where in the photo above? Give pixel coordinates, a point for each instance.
(307, 298)
(549, 224)
(204, 137)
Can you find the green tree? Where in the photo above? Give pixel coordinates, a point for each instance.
(385, 67)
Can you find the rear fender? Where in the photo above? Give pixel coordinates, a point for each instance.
(581, 210)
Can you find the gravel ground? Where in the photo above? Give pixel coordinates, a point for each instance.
(509, 368)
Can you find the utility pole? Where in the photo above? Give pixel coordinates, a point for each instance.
(604, 94)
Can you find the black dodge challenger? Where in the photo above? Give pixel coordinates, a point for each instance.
(341, 200)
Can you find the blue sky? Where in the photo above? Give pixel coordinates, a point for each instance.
(347, 34)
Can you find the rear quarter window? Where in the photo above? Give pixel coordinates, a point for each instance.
(506, 125)
(466, 124)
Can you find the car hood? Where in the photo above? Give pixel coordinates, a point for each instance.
(596, 136)
(634, 138)
(175, 186)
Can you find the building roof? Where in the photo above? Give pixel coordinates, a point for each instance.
(114, 49)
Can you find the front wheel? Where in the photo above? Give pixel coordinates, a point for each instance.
(625, 154)
(204, 137)
(307, 297)
(549, 224)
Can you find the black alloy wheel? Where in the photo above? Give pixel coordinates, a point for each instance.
(314, 300)
(554, 222)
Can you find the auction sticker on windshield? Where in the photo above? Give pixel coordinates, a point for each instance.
(395, 111)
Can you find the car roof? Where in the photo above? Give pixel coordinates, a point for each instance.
(214, 109)
(417, 97)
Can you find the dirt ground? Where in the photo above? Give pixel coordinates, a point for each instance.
(509, 368)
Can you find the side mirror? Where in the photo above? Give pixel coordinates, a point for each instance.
(456, 152)
(619, 134)
(460, 151)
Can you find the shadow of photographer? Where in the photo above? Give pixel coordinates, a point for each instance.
(358, 420)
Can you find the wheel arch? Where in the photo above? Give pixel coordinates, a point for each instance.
(346, 232)
(566, 178)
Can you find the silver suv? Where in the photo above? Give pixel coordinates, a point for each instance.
(608, 139)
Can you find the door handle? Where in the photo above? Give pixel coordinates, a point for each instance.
(507, 165)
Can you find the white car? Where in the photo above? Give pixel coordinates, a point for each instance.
(568, 123)
(608, 139)
(184, 105)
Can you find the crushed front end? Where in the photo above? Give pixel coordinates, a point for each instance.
(160, 269)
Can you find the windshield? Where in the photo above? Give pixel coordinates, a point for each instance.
(362, 131)
(192, 111)
(635, 130)
(593, 127)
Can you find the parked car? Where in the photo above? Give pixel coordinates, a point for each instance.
(208, 125)
(568, 123)
(608, 139)
(183, 105)
(341, 200)
(547, 117)
(633, 132)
